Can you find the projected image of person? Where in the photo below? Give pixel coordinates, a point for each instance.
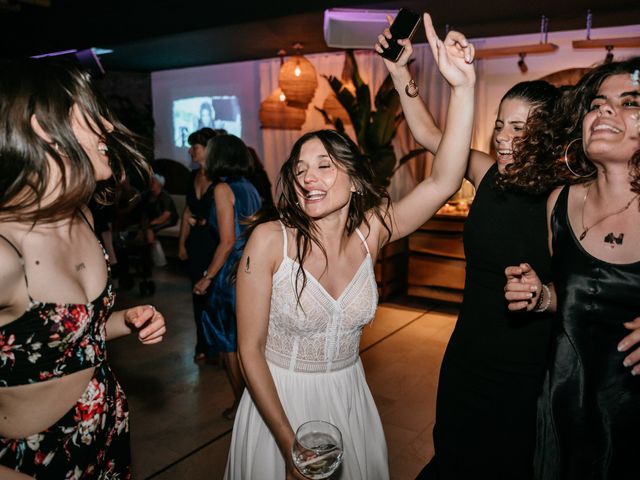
(207, 116)
(228, 164)
(63, 414)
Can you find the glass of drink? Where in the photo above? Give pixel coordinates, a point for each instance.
(317, 449)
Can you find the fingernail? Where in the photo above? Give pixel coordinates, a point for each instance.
(622, 347)
(534, 288)
(626, 363)
(635, 371)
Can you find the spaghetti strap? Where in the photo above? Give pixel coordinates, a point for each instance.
(24, 269)
(86, 220)
(284, 238)
(363, 240)
(13, 246)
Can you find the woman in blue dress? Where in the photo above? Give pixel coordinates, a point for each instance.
(228, 164)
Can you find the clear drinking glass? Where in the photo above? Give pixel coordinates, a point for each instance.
(317, 449)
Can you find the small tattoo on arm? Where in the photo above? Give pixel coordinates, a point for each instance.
(80, 266)
(247, 265)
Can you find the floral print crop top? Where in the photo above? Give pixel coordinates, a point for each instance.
(51, 340)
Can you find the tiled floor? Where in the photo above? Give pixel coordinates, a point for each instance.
(177, 428)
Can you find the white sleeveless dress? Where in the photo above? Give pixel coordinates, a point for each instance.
(313, 355)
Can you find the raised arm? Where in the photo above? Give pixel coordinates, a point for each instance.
(454, 58)
(420, 121)
(253, 300)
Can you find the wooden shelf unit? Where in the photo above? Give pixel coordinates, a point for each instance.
(436, 259)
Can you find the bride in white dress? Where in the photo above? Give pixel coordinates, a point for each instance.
(306, 288)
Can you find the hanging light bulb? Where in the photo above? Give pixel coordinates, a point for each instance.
(298, 79)
(282, 96)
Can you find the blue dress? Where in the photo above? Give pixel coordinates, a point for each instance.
(219, 315)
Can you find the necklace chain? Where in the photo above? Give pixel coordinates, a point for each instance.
(585, 230)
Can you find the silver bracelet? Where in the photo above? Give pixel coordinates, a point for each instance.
(544, 301)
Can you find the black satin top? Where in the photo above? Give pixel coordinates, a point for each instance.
(590, 408)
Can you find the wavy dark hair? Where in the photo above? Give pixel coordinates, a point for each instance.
(201, 136)
(527, 174)
(368, 197)
(229, 157)
(567, 124)
(48, 90)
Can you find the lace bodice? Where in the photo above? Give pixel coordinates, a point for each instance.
(320, 334)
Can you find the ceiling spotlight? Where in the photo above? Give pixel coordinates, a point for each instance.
(609, 57)
(521, 65)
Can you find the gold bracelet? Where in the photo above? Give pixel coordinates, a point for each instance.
(411, 89)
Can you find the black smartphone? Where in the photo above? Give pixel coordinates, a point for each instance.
(404, 26)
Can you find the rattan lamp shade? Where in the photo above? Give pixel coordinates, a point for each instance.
(299, 89)
(276, 114)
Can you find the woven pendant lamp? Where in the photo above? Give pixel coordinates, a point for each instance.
(298, 79)
(276, 114)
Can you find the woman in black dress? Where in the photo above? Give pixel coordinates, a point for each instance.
(588, 414)
(197, 241)
(493, 366)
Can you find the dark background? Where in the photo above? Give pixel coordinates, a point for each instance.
(155, 35)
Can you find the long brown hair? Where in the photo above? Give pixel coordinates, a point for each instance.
(368, 197)
(49, 90)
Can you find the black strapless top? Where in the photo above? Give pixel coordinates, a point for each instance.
(51, 340)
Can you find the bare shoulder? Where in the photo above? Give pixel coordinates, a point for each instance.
(222, 193)
(553, 198)
(268, 231)
(11, 272)
(479, 164)
(266, 243)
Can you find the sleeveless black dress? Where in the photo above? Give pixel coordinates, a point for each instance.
(493, 367)
(589, 411)
(200, 244)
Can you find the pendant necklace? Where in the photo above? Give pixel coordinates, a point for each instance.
(585, 230)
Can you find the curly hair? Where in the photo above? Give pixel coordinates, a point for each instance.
(48, 90)
(564, 128)
(369, 197)
(526, 174)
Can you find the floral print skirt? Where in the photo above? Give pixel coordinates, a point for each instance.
(91, 441)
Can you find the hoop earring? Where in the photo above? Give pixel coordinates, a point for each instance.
(566, 160)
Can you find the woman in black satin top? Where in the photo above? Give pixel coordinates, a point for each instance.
(589, 411)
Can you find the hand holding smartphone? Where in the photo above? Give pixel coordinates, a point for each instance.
(404, 26)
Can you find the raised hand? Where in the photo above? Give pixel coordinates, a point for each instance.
(454, 56)
(522, 287)
(383, 43)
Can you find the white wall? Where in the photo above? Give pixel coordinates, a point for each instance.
(240, 79)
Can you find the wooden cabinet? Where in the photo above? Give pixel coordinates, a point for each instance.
(436, 267)
(391, 269)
